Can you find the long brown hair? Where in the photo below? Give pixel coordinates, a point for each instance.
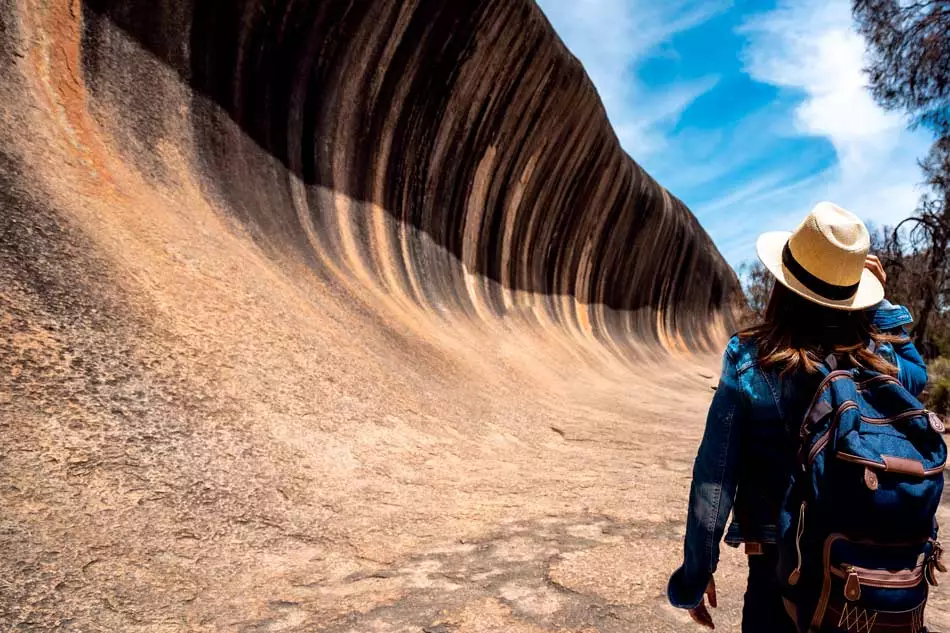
(797, 334)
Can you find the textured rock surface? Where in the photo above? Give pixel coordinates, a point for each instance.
(364, 135)
(331, 316)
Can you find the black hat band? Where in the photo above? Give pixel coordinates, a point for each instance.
(816, 285)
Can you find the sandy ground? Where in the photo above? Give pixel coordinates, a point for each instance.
(200, 438)
(226, 447)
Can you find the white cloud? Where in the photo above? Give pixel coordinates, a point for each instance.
(811, 46)
(611, 37)
(644, 134)
(730, 172)
(756, 191)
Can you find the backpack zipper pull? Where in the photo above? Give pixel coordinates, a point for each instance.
(930, 573)
(852, 586)
(938, 557)
(799, 530)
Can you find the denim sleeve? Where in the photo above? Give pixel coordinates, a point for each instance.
(713, 490)
(887, 316)
(911, 369)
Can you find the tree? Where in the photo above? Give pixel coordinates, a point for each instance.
(757, 285)
(928, 238)
(909, 70)
(909, 55)
(909, 262)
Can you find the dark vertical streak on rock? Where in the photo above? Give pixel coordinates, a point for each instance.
(468, 123)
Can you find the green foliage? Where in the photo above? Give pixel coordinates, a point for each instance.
(942, 339)
(938, 390)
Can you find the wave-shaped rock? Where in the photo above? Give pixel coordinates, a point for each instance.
(319, 315)
(370, 133)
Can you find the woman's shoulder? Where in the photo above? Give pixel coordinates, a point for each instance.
(742, 352)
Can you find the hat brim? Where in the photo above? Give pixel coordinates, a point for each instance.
(769, 248)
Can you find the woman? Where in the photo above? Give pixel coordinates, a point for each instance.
(829, 299)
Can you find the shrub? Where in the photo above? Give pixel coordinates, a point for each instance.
(938, 390)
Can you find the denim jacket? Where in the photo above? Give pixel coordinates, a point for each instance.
(747, 453)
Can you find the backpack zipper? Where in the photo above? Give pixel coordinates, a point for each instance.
(883, 578)
(895, 418)
(799, 530)
(870, 463)
(880, 578)
(884, 377)
(822, 606)
(823, 439)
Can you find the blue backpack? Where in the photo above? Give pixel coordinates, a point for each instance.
(857, 532)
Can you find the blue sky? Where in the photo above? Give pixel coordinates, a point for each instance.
(750, 112)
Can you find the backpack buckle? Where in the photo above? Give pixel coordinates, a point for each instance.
(936, 423)
(753, 549)
(870, 479)
(852, 586)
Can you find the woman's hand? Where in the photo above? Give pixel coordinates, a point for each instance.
(700, 613)
(874, 264)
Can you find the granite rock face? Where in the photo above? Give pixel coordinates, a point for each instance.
(336, 316)
(467, 124)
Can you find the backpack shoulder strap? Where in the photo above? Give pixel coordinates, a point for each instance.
(831, 360)
(823, 403)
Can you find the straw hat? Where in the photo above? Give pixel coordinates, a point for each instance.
(823, 259)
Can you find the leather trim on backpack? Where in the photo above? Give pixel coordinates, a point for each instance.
(893, 464)
(882, 377)
(826, 382)
(822, 605)
(823, 440)
(906, 414)
(903, 465)
(883, 578)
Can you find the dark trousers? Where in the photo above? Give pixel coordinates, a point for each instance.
(763, 610)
